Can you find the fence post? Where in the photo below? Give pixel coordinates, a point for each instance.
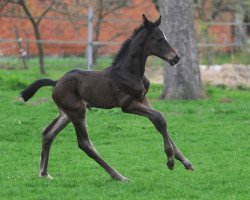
(22, 52)
(90, 39)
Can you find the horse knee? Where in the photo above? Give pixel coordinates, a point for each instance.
(159, 121)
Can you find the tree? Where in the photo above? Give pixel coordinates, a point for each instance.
(182, 82)
(102, 9)
(156, 3)
(240, 31)
(71, 11)
(210, 10)
(35, 21)
(36, 11)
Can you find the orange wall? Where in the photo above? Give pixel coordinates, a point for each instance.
(64, 30)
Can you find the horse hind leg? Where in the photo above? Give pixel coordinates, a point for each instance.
(48, 136)
(77, 117)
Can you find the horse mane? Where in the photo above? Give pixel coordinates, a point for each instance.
(126, 44)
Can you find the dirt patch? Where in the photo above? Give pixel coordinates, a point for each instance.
(34, 102)
(155, 74)
(229, 75)
(232, 76)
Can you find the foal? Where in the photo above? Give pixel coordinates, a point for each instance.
(123, 85)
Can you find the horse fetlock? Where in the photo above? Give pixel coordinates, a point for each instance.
(170, 163)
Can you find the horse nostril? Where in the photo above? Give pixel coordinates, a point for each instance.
(177, 58)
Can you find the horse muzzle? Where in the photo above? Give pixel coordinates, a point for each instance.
(174, 60)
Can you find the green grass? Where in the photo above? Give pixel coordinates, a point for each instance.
(65, 63)
(213, 133)
(57, 62)
(221, 58)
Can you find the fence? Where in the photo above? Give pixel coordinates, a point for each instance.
(216, 42)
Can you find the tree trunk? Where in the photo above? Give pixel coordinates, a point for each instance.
(182, 82)
(97, 34)
(35, 25)
(40, 49)
(240, 33)
(22, 53)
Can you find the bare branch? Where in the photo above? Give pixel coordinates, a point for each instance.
(115, 7)
(27, 11)
(45, 12)
(216, 9)
(3, 4)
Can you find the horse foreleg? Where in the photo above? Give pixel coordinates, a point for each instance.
(159, 122)
(177, 153)
(48, 136)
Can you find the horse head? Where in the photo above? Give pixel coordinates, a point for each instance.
(157, 43)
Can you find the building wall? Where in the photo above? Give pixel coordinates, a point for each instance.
(63, 30)
(127, 20)
(217, 33)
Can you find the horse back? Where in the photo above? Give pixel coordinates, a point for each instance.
(91, 87)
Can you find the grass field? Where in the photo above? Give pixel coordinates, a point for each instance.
(213, 133)
(217, 57)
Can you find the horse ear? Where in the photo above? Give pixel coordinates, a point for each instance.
(146, 22)
(157, 22)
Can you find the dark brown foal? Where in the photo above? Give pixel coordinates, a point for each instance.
(122, 85)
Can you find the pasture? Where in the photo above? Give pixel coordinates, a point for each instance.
(213, 133)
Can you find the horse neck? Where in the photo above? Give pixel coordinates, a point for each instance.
(135, 58)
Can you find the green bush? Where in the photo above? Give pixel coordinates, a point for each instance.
(13, 83)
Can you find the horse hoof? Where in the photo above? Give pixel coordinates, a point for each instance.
(120, 178)
(189, 168)
(188, 165)
(124, 179)
(170, 164)
(46, 176)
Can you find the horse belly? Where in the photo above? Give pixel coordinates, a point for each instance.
(99, 95)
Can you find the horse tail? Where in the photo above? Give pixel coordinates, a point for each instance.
(32, 88)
